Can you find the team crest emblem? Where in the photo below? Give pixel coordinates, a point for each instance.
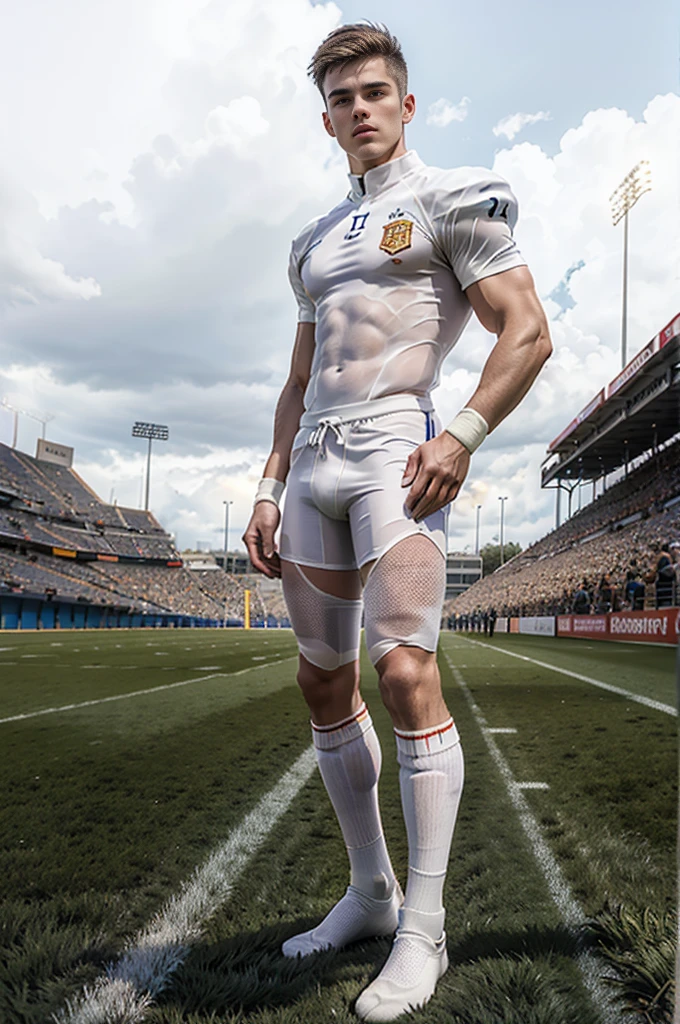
(396, 236)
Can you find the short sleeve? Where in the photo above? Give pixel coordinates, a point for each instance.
(476, 230)
(306, 308)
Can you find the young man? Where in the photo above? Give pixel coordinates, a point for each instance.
(385, 283)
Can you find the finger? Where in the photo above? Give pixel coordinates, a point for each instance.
(437, 502)
(419, 486)
(441, 499)
(411, 468)
(420, 509)
(437, 498)
(268, 545)
(253, 543)
(275, 565)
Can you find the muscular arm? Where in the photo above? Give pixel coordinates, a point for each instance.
(259, 534)
(507, 305)
(290, 405)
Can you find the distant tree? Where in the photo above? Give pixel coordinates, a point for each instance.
(491, 555)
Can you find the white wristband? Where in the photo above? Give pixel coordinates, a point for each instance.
(269, 489)
(468, 427)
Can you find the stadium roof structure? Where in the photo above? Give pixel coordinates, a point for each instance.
(637, 411)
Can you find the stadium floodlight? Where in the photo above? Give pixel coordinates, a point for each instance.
(226, 530)
(44, 419)
(623, 198)
(479, 509)
(153, 432)
(502, 501)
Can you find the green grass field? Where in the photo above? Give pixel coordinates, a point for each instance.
(113, 797)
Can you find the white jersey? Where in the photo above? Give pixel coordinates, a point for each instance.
(383, 277)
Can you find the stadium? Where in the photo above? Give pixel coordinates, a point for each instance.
(67, 559)
(168, 845)
(126, 717)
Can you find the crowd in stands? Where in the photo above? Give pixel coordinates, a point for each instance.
(145, 588)
(47, 504)
(227, 591)
(615, 546)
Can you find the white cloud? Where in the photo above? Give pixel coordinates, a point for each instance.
(442, 112)
(174, 184)
(512, 124)
(565, 219)
(27, 276)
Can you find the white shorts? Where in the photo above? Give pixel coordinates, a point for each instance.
(344, 501)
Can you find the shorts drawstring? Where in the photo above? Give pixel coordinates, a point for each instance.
(318, 435)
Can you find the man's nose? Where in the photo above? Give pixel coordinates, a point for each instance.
(360, 110)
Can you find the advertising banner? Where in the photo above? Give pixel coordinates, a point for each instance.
(633, 367)
(670, 331)
(537, 625)
(587, 411)
(501, 624)
(513, 625)
(660, 626)
(50, 451)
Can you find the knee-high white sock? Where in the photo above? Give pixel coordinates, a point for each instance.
(349, 758)
(431, 782)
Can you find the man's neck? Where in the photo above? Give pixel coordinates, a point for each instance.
(360, 167)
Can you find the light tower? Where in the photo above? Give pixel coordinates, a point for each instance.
(623, 198)
(502, 501)
(479, 509)
(153, 432)
(226, 530)
(44, 419)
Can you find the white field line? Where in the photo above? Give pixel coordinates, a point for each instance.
(656, 705)
(130, 985)
(138, 693)
(570, 910)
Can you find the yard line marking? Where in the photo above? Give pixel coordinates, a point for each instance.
(129, 986)
(137, 693)
(532, 785)
(507, 731)
(656, 705)
(571, 911)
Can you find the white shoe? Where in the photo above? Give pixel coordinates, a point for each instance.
(408, 979)
(356, 916)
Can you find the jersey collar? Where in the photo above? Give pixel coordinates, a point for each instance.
(380, 177)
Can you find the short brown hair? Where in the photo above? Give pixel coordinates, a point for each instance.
(353, 42)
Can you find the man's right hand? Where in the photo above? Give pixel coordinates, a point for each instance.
(259, 538)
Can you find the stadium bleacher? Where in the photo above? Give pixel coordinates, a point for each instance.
(47, 507)
(631, 427)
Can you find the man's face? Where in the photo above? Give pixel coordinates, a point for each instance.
(364, 112)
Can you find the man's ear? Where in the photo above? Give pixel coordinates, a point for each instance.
(327, 124)
(408, 108)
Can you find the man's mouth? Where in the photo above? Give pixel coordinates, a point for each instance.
(363, 129)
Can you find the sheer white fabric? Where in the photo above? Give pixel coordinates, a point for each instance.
(383, 276)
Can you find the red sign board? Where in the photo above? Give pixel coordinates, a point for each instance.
(589, 409)
(670, 331)
(633, 367)
(661, 626)
(656, 627)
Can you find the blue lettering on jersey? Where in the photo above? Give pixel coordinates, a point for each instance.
(358, 225)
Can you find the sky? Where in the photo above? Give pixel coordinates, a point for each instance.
(158, 156)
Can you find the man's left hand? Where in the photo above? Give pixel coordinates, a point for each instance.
(436, 469)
